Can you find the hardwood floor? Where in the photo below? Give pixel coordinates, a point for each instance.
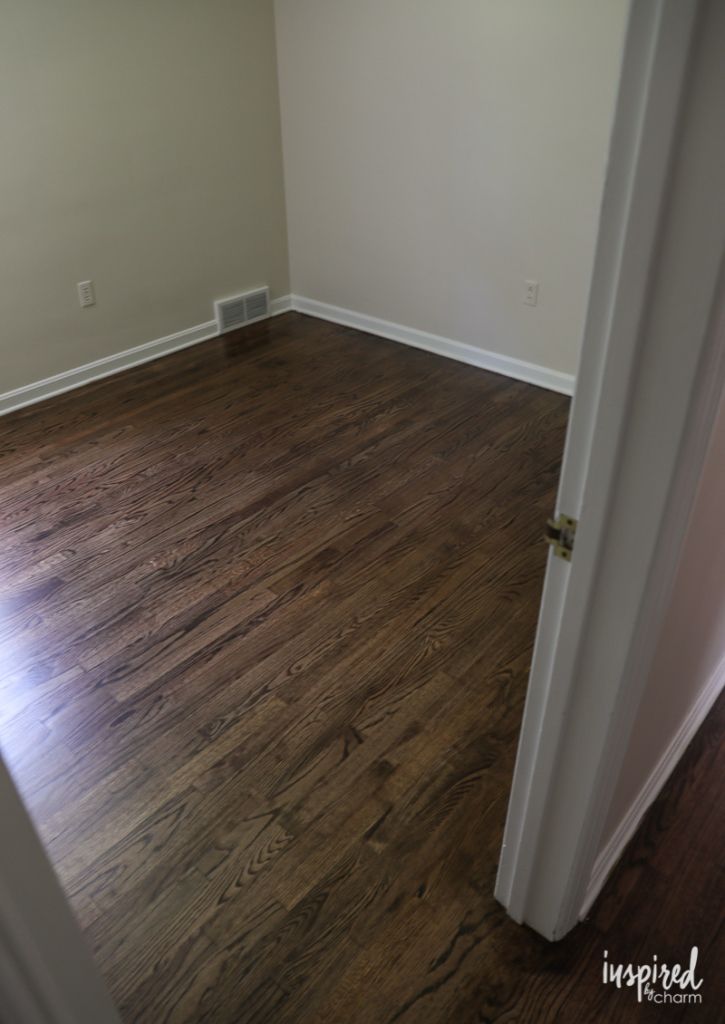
(267, 614)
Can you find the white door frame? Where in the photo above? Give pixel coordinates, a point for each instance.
(47, 973)
(651, 375)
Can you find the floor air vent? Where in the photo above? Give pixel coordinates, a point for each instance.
(241, 309)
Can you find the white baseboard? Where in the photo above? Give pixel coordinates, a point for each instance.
(283, 305)
(29, 394)
(459, 350)
(631, 821)
(109, 365)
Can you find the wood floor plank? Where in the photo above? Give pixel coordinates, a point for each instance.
(267, 609)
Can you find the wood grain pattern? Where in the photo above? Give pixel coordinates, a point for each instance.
(266, 619)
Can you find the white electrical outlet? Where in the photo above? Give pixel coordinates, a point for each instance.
(531, 293)
(86, 294)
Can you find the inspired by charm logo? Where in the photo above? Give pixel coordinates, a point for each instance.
(657, 982)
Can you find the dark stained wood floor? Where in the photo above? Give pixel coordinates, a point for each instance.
(266, 618)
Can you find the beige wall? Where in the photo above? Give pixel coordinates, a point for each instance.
(691, 652)
(439, 154)
(436, 156)
(140, 148)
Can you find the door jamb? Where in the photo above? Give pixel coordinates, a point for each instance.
(47, 973)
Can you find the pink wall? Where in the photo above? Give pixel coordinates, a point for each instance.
(690, 658)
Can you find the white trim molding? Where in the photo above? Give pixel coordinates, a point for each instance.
(519, 369)
(283, 305)
(68, 380)
(29, 394)
(618, 841)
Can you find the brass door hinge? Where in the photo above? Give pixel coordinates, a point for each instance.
(560, 533)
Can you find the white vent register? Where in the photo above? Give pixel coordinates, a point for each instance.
(241, 309)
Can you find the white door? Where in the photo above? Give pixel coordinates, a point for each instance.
(650, 375)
